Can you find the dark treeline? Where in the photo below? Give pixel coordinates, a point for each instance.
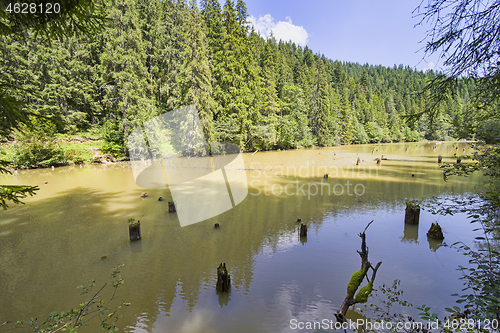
(155, 56)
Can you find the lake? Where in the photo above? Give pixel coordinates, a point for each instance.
(75, 230)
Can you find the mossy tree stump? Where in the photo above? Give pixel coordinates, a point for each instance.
(134, 230)
(171, 207)
(435, 232)
(303, 230)
(223, 278)
(412, 213)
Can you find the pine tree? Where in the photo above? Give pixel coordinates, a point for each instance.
(124, 68)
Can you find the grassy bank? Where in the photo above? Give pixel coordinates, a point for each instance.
(59, 151)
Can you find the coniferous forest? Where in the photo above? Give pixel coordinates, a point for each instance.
(156, 56)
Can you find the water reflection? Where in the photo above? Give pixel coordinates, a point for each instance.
(224, 297)
(410, 233)
(55, 242)
(434, 244)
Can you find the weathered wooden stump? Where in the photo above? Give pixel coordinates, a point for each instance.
(303, 230)
(223, 278)
(440, 159)
(412, 213)
(459, 160)
(171, 207)
(358, 161)
(435, 231)
(134, 230)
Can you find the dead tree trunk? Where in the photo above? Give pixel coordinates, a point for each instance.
(134, 231)
(356, 280)
(303, 230)
(412, 213)
(223, 278)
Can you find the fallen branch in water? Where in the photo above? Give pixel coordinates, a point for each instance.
(356, 280)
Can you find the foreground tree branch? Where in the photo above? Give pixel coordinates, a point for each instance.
(356, 280)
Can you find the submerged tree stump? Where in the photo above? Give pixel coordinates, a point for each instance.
(223, 278)
(412, 213)
(435, 231)
(134, 231)
(440, 159)
(171, 207)
(303, 230)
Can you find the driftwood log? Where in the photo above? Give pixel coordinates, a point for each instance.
(356, 280)
(134, 231)
(223, 278)
(412, 213)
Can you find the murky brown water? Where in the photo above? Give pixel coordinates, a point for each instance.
(57, 240)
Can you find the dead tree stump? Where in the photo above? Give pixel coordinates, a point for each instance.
(303, 230)
(223, 278)
(134, 231)
(435, 232)
(171, 207)
(440, 159)
(412, 213)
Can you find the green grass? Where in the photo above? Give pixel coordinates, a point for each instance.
(80, 151)
(77, 148)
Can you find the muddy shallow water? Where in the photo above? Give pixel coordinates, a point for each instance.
(75, 230)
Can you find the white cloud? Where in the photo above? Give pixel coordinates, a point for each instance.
(284, 30)
(429, 67)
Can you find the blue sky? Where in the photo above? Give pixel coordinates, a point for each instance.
(377, 32)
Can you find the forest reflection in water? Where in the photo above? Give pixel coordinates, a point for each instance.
(59, 238)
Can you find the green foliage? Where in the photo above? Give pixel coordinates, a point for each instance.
(413, 203)
(13, 193)
(114, 139)
(37, 147)
(374, 131)
(131, 222)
